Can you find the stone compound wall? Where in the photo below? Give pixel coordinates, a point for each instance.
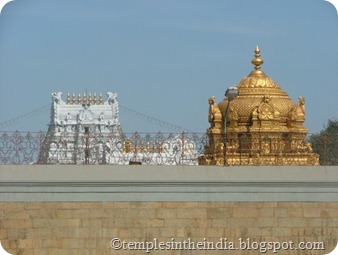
(87, 228)
(48, 228)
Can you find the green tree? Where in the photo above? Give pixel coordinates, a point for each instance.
(325, 143)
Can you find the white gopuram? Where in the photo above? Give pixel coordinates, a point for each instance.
(86, 130)
(80, 128)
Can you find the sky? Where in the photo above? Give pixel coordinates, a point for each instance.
(163, 58)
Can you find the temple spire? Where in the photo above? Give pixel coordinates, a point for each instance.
(257, 61)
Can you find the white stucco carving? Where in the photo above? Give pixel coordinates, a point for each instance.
(87, 130)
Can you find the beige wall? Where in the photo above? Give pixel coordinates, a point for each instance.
(77, 210)
(80, 228)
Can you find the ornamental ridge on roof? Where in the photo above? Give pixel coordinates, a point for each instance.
(84, 99)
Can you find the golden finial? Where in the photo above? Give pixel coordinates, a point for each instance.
(94, 98)
(257, 61)
(73, 99)
(79, 99)
(148, 147)
(128, 146)
(100, 98)
(90, 98)
(142, 147)
(68, 98)
(124, 147)
(84, 98)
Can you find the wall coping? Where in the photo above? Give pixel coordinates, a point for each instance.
(167, 183)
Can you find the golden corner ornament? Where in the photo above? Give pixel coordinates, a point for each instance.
(257, 124)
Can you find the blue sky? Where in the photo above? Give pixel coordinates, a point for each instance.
(164, 58)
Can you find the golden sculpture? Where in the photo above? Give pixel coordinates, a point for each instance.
(215, 115)
(261, 126)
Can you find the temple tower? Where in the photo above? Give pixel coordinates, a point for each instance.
(81, 128)
(86, 130)
(260, 126)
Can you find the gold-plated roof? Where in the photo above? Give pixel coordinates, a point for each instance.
(253, 88)
(263, 125)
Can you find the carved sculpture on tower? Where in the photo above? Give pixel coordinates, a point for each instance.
(214, 152)
(260, 126)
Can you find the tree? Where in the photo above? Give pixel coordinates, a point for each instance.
(325, 143)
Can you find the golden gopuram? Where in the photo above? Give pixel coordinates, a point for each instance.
(257, 124)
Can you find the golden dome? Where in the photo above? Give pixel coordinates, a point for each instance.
(253, 89)
(263, 125)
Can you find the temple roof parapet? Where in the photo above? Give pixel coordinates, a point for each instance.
(91, 98)
(90, 109)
